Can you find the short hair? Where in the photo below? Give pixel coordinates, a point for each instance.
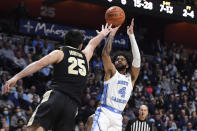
(20, 119)
(126, 55)
(74, 38)
(145, 106)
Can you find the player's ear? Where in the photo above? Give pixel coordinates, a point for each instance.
(80, 46)
(127, 66)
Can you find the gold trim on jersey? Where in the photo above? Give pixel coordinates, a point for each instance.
(45, 98)
(72, 47)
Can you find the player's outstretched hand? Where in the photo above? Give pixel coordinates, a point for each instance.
(9, 84)
(104, 30)
(130, 28)
(114, 30)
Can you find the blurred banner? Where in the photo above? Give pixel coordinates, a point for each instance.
(57, 31)
(183, 33)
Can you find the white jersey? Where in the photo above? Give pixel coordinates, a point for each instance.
(117, 91)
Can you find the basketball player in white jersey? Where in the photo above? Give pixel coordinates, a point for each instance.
(119, 80)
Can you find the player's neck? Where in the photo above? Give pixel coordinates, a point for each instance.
(123, 72)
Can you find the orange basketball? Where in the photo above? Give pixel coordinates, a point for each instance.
(115, 16)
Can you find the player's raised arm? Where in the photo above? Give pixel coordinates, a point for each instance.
(93, 43)
(109, 67)
(135, 69)
(53, 57)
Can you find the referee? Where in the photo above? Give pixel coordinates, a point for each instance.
(140, 123)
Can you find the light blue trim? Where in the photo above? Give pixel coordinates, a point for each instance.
(105, 93)
(111, 109)
(95, 121)
(99, 127)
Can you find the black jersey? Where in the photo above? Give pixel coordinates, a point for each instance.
(70, 74)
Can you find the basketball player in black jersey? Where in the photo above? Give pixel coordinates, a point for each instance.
(58, 106)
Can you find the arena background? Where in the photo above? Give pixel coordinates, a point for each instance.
(167, 43)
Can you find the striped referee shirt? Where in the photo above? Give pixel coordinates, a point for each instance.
(138, 125)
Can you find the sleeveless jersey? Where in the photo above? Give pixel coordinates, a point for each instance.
(70, 74)
(117, 91)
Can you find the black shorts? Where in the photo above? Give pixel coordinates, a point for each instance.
(56, 112)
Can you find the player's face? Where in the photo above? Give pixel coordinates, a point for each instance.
(143, 112)
(121, 63)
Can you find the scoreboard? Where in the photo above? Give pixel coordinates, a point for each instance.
(162, 7)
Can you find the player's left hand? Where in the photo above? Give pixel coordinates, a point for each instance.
(9, 84)
(114, 30)
(104, 30)
(130, 28)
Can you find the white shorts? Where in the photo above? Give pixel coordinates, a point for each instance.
(106, 120)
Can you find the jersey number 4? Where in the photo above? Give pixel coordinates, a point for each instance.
(122, 92)
(74, 63)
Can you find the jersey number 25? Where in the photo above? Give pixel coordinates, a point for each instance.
(74, 63)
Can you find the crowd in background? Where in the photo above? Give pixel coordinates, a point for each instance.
(167, 83)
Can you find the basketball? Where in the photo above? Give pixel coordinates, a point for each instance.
(115, 16)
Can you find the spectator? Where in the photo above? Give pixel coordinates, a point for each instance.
(158, 47)
(165, 84)
(87, 95)
(158, 57)
(158, 122)
(19, 60)
(7, 51)
(170, 123)
(185, 121)
(20, 94)
(169, 126)
(189, 127)
(140, 87)
(193, 120)
(5, 127)
(149, 88)
(169, 104)
(38, 43)
(29, 48)
(46, 48)
(6, 115)
(46, 71)
(152, 106)
(97, 63)
(124, 123)
(80, 126)
(89, 109)
(152, 122)
(19, 49)
(35, 102)
(20, 124)
(191, 107)
(128, 112)
(5, 102)
(19, 114)
(31, 93)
